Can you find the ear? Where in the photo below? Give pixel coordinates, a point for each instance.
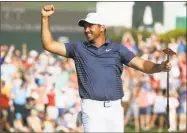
(102, 28)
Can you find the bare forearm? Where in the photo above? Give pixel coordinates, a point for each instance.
(24, 51)
(48, 42)
(47, 38)
(153, 68)
(145, 65)
(10, 52)
(149, 67)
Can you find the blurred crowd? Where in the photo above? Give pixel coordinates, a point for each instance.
(145, 97)
(39, 90)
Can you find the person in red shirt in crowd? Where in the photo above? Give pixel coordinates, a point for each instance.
(182, 66)
(52, 110)
(5, 97)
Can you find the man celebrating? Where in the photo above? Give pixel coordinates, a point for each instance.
(99, 64)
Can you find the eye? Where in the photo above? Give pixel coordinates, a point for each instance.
(91, 25)
(88, 26)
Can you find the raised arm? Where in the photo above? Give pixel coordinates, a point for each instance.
(148, 66)
(10, 51)
(48, 42)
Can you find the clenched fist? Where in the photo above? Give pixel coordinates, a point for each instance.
(48, 11)
(165, 66)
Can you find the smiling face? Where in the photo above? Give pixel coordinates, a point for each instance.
(93, 31)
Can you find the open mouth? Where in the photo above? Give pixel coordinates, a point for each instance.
(89, 35)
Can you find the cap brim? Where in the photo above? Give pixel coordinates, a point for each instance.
(81, 22)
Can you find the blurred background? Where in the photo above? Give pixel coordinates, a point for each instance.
(39, 90)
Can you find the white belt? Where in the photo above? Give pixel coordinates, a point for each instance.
(103, 103)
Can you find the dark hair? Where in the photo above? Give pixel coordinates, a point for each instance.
(104, 30)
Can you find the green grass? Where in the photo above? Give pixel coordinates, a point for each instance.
(131, 129)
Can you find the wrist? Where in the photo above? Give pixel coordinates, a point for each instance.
(45, 17)
(160, 68)
(156, 68)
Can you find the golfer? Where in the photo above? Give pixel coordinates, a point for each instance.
(99, 64)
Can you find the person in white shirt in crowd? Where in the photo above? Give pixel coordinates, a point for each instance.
(173, 104)
(19, 99)
(34, 121)
(133, 109)
(175, 73)
(61, 99)
(8, 68)
(173, 45)
(48, 124)
(159, 110)
(16, 80)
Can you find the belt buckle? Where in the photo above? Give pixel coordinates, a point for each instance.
(107, 104)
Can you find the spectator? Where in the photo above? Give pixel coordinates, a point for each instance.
(5, 98)
(62, 124)
(4, 122)
(141, 43)
(20, 95)
(155, 78)
(133, 109)
(8, 69)
(154, 42)
(129, 42)
(35, 73)
(71, 121)
(52, 111)
(145, 108)
(30, 104)
(41, 91)
(182, 46)
(62, 77)
(181, 110)
(175, 81)
(173, 45)
(61, 99)
(34, 122)
(182, 66)
(159, 110)
(4, 49)
(174, 103)
(48, 124)
(18, 124)
(16, 80)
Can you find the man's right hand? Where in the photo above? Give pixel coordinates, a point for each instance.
(48, 11)
(48, 42)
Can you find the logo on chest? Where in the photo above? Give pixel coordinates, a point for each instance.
(107, 50)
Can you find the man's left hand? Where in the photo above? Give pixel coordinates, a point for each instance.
(165, 66)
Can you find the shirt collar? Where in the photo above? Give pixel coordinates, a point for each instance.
(107, 41)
